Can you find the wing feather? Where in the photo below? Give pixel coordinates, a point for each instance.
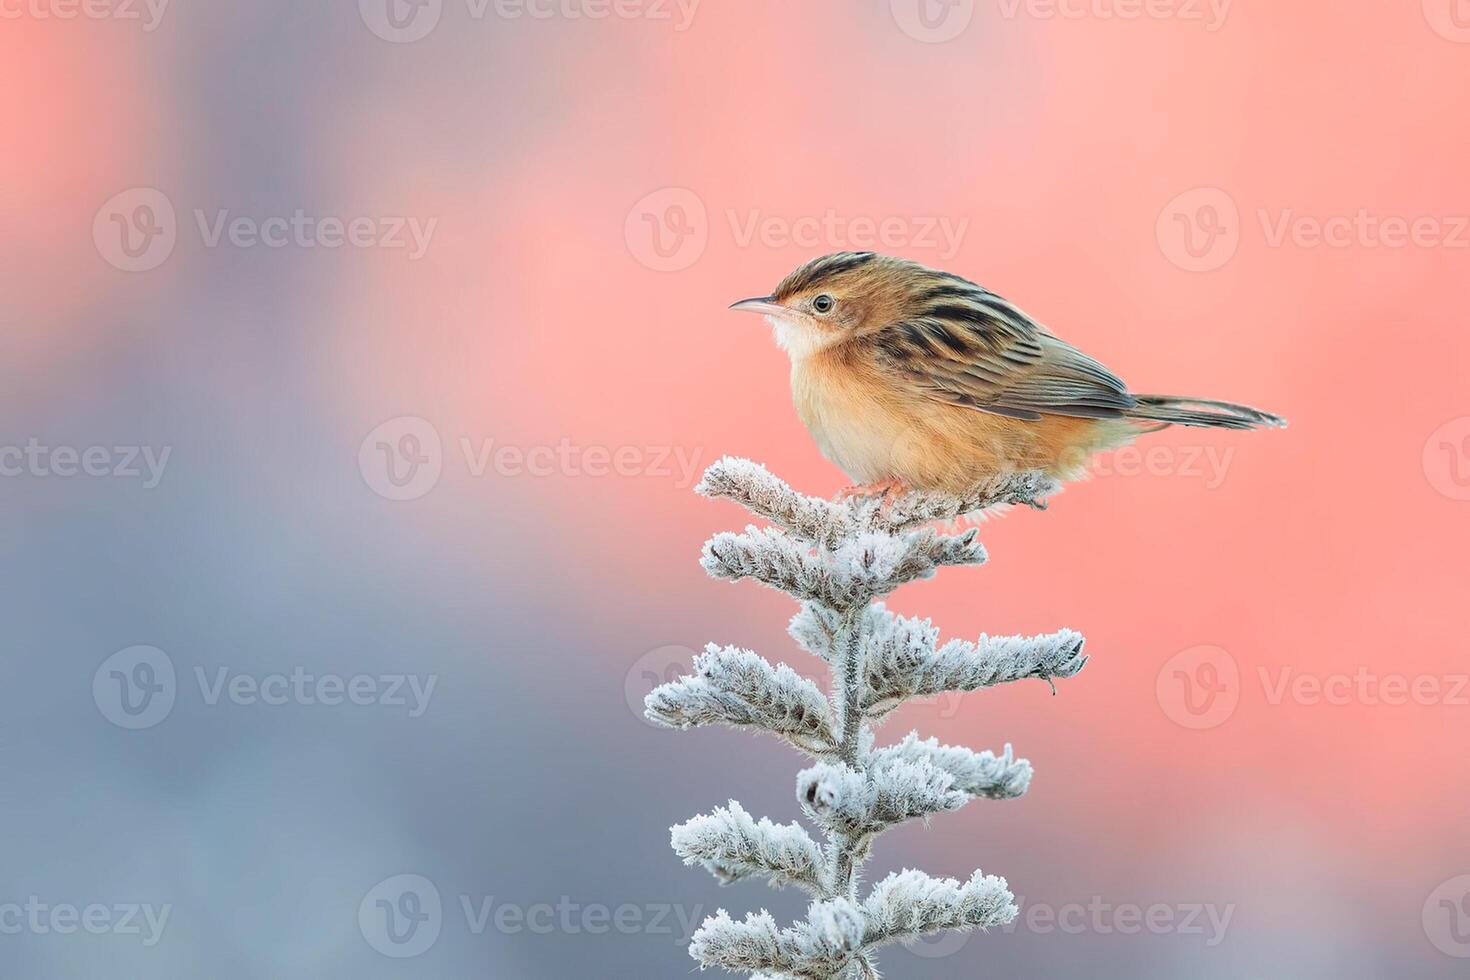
(967, 346)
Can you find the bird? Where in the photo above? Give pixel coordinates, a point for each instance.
(913, 379)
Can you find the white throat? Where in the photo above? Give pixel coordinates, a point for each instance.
(797, 339)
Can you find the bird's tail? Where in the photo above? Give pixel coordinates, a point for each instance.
(1172, 410)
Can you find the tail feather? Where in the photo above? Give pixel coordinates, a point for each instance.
(1172, 410)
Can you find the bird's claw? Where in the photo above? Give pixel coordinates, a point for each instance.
(886, 492)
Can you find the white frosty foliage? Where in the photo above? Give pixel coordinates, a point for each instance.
(733, 845)
(768, 496)
(819, 948)
(859, 569)
(910, 903)
(823, 522)
(984, 774)
(892, 791)
(902, 661)
(736, 687)
(1006, 489)
(836, 559)
(814, 627)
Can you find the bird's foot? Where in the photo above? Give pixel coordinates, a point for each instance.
(886, 491)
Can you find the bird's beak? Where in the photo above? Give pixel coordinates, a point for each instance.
(760, 304)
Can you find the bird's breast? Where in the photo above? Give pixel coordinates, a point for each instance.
(855, 422)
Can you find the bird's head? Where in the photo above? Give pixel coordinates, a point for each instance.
(839, 296)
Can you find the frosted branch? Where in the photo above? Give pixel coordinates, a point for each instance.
(1028, 487)
(766, 495)
(736, 687)
(909, 904)
(836, 559)
(817, 949)
(858, 570)
(814, 627)
(733, 845)
(903, 663)
(824, 522)
(894, 790)
(769, 556)
(984, 774)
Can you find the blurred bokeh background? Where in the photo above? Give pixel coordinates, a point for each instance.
(367, 353)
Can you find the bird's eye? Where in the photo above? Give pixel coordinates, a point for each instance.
(823, 303)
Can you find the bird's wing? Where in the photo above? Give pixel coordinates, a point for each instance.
(969, 347)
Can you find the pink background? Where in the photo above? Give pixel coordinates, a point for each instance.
(540, 315)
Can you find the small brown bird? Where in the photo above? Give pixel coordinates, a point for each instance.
(912, 378)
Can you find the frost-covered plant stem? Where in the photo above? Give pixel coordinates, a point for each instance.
(847, 672)
(848, 666)
(836, 559)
